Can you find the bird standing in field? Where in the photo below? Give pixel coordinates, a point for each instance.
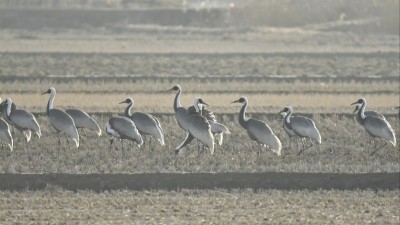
(5, 134)
(3, 109)
(123, 128)
(258, 130)
(217, 129)
(198, 127)
(181, 113)
(23, 120)
(182, 116)
(147, 124)
(367, 113)
(83, 120)
(375, 126)
(300, 126)
(60, 120)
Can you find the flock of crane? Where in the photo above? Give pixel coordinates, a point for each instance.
(197, 121)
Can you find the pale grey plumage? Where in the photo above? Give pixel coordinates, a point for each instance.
(300, 126)
(3, 109)
(181, 113)
(218, 130)
(199, 128)
(123, 128)
(23, 120)
(288, 130)
(375, 126)
(147, 124)
(60, 120)
(83, 120)
(258, 130)
(5, 134)
(367, 113)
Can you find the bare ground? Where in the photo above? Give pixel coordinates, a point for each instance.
(55, 206)
(171, 55)
(177, 181)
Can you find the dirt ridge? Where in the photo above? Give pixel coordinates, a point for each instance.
(177, 181)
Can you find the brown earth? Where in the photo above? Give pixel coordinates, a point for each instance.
(177, 181)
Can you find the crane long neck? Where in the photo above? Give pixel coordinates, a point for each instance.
(128, 109)
(50, 104)
(287, 117)
(361, 114)
(8, 112)
(242, 117)
(177, 101)
(198, 107)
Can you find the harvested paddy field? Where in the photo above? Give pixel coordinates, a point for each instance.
(319, 68)
(55, 205)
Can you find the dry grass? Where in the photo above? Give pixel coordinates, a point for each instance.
(153, 96)
(220, 103)
(200, 207)
(225, 85)
(345, 149)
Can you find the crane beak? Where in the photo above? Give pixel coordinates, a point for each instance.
(354, 103)
(44, 93)
(236, 101)
(398, 107)
(122, 102)
(204, 103)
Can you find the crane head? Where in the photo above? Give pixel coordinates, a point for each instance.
(240, 100)
(175, 88)
(51, 90)
(127, 101)
(360, 101)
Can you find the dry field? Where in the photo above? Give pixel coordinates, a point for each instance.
(319, 68)
(56, 206)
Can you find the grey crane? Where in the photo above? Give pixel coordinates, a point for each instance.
(181, 113)
(5, 134)
(367, 113)
(23, 120)
(147, 124)
(199, 128)
(60, 120)
(217, 129)
(83, 120)
(123, 128)
(258, 130)
(375, 126)
(289, 131)
(182, 116)
(300, 126)
(3, 109)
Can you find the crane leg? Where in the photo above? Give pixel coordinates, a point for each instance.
(149, 143)
(26, 142)
(376, 150)
(59, 138)
(111, 142)
(304, 147)
(122, 149)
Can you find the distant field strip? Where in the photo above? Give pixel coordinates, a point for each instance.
(219, 103)
(303, 64)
